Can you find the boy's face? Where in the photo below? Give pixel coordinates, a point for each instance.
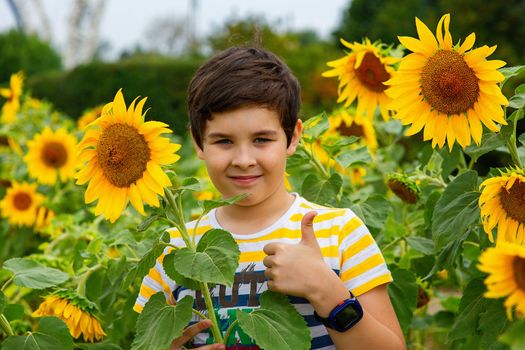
(245, 152)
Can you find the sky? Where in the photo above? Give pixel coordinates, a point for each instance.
(125, 22)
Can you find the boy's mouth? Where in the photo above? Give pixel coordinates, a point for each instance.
(245, 179)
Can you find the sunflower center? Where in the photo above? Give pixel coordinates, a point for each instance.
(54, 154)
(352, 130)
(372, 73)
(519, 272)
(22, 201)
(123, 154)
(448, 84)
(513, 201)
(402, 191)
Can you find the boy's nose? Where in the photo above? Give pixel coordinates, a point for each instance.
(243, 158)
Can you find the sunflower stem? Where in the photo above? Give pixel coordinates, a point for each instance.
(81, 288)
(227, 334)
(317, 164)
(513, 149)
(4, 324)
(217, 335)
(7, 283)
(198, 313)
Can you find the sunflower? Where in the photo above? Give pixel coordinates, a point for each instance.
(51, 154)
(76, 311)
(89, 116)
(13, 93)
(403, 187)
(43, 218)
(502, 203)
(362, 73)
(505, 265)
(20, 203)
(449, 90)
(345, 122)
(124, 155)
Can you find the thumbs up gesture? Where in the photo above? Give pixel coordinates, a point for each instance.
(297, 269)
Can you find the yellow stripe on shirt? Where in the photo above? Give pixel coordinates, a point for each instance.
(362, 267)
(362, 289)
(349, 228)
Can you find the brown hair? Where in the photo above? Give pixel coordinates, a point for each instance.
(241, 77)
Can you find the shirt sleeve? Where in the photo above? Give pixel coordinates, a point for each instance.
(362, 266)
(155, 281)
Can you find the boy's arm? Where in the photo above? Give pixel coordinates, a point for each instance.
(379, 327)
(290, 268)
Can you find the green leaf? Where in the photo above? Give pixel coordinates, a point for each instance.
(492, 323)
(2, 302)
(160, 323)
(374, 211)
(31, 274)
(276, 324)
(470, 308)
(143, 226)
(14, 312)
(314, 127)
(515, 336)
(509, 72)
(448, 255)
(146, 263)
(52, 333)
(489, 142)
(358, 156)
(212, 204)
(517, 101)
(338, 144)
(321, 191)
(215, 261)
(521, 139)
(169, 268)
(456, 210)
(403, 293)
(421, 244)
(190, 184)
(98, 346)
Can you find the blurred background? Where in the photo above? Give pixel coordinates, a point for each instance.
(76, 54)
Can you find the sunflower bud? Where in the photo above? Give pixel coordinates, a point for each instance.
(404, 188)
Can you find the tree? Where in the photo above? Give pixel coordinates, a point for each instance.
(500, 22)
(27, 53)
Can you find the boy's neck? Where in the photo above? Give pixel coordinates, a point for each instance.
(251, 219)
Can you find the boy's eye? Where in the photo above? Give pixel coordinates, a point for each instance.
(223, 141)
(262, 140)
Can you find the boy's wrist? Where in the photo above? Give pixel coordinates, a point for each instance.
(328, 295)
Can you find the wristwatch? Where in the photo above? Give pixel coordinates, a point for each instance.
(344, 316)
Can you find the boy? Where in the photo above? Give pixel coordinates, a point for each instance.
(243, 107)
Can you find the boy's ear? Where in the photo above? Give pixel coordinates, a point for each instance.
(296, 137)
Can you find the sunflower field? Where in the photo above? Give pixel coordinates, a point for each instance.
(85, 205)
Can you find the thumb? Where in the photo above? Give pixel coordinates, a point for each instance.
(307, 230)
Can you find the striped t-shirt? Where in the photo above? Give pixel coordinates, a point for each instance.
(346, 244)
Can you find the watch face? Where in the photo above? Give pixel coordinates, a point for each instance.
(347, 316)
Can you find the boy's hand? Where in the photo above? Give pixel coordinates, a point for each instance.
(298, 269)
(192, 331)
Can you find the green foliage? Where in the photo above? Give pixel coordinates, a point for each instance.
(29, 273)
(515, 336)
(27, 53)
(52, 333)
(456, 210)
(159, 324)
(403, 293)
(214, 261)
(386, 19)
(164, 82)
(276, 324)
